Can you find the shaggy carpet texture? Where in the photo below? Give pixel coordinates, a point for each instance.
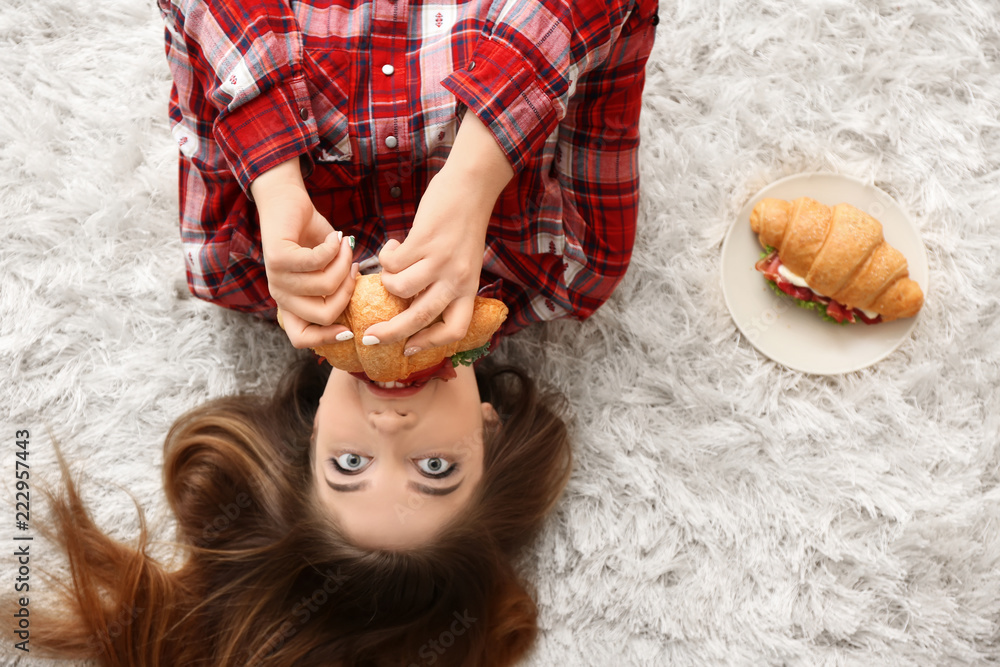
(724, 510)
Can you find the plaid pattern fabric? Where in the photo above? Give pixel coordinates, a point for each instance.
(370, 94)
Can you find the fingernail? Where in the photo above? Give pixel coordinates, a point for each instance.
(340, 236)
(355, 270)
(350, 240)
(345, 335)
(370, 340)
(410, 351)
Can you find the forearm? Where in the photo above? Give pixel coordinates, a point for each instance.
(281, 179)
(478, 164)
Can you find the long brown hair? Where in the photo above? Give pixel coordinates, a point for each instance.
(267, 579)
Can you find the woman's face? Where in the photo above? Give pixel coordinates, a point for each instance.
(394, 466)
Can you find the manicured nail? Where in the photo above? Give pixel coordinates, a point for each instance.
(350, 240)
(345, 335)
(340, 236)
(355, 270)
(370, 340)
(410, 351)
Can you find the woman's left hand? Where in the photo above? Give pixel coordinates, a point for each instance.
(439, 262)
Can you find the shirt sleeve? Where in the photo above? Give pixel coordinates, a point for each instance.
(220, 150)
(525, 65)
(577, 201)
(239, 83)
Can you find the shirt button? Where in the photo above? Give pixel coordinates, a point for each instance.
(395, 191)
(304, 113)
(471, 66)
(388, 70)
(391, 142)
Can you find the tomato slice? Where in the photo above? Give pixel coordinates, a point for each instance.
(803, 293)
(443, 370)
(839, 313)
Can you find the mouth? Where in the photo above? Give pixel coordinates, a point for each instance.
(411, 384)
(395, 385)
(393, 389)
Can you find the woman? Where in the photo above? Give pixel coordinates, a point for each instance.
(271, 577)
(459, 147)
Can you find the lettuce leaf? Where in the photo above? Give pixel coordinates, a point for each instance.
(466, 358)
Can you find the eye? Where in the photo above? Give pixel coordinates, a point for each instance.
(435, 466)
(350, 463)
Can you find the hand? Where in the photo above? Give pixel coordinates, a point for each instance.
(309, 265)
(439, 262)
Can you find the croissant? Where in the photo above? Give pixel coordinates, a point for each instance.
(370, 304)
(841, 255)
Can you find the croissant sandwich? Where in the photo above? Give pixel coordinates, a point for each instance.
(834, 260)
(370, 304)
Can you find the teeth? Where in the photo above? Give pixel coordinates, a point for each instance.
(391, 385)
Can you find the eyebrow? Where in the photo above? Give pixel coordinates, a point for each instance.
(416, 486)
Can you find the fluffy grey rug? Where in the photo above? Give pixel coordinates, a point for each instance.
(724, 509)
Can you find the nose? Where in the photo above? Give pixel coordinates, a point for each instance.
(391, 420)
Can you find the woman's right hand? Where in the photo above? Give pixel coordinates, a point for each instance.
(309, 265)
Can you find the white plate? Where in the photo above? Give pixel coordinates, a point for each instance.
(800, 338)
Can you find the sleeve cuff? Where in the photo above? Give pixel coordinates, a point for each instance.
(268, 130)
(501, 87)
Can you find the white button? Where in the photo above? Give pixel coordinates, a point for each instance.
(388, 70)
(391, 142)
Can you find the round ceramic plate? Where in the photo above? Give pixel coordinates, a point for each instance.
(800, 338)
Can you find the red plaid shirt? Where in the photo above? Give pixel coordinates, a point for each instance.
(370, 95)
